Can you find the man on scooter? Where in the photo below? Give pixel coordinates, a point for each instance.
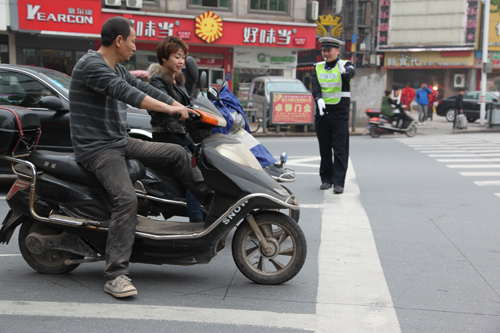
(99, 92)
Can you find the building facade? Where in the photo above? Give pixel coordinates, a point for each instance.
(265, 36)
(430, 42)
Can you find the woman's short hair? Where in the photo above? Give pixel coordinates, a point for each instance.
(114, 27)
(387, 92)
(168, 46)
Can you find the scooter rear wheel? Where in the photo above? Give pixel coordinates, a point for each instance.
(286, 254)
(374, 133)
(49, 262)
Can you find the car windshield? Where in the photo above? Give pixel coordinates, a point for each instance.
(59, 79)
(286, 87)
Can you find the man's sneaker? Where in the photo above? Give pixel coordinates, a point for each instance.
(120, 287)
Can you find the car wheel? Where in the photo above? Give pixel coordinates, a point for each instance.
(450, 114)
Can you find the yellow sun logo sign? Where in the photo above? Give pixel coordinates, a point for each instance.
(209, 27)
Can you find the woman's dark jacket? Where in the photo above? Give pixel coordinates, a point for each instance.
(164, 127)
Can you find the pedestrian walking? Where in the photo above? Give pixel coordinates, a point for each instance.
(459, 107)
(331, 82)
(422, 99)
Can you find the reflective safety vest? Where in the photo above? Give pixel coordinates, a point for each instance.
(331, 83)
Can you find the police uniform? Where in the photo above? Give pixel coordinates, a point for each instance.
(331, 89)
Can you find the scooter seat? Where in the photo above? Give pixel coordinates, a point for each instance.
(383, 116)
(63, 165)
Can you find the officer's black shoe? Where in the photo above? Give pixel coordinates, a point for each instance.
(325, 186)
(338, 189)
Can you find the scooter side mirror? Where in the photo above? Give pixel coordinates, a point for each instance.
(192, 71)
(283, 158)
(192, 68)
(203, 81)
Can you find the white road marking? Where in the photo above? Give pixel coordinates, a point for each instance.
(10, 255)
(470, 166)
(153, 312)
(442, 151)
(497, 194)
(3, 197)
(308, 173)
(479, 174)
(453, 155)
(458, 160)
(312, 206)
(353, 295)
(301, 162)
(488, 183)
(488, 155)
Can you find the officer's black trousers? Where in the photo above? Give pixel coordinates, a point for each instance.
(332, 130)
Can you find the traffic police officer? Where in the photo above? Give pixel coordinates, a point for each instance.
(331, 90)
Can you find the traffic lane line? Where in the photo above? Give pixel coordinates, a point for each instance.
(472, 166)
(353, 295)
(164, 313)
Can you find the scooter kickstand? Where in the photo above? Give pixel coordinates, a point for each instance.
(258, 232)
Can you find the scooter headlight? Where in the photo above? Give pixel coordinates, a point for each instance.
(239, 153)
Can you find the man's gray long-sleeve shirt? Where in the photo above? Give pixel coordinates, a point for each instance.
(98, 98)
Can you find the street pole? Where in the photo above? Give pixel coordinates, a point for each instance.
(486, 28)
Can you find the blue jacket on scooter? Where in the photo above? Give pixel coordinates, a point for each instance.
(230, 106)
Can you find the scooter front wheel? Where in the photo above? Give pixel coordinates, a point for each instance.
(410, 132)
(49, 262)
(285, 255)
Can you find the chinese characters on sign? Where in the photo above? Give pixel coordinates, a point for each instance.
(269, 36)
(383, 30)
(292, 108)
(148, 29)
(471, 25)
(404, 60)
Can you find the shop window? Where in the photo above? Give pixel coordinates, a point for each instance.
(210, 3)
(269, 5)
(21, 90)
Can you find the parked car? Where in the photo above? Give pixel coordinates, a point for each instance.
(472, 99)
(262, 87)
(45, 92)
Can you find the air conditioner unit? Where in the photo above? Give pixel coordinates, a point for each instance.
(113, 3)
(312, 11)
(459, 81)
(136, 4)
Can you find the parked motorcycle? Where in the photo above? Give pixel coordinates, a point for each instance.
(64, 212)
(381, 124)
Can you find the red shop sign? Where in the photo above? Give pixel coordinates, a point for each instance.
(156, 28)
(83, 16)
(292, 108)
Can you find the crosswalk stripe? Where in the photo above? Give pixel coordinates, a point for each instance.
(488, 183)
(452, 155)
(479, 174)
(155, 312)
(471, 166)
(458, 160)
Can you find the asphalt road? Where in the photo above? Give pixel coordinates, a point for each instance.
(411, 246)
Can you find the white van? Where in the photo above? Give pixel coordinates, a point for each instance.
(262, 86)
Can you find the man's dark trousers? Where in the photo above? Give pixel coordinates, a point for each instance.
(110, 168)
(332, 130)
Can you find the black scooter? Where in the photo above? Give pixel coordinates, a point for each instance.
(64, 212)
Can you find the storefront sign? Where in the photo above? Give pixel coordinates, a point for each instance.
(292, 108)
(494, 29)
(427, 60)
(209, 27)
(256, 58)
(155, 28)
(329, 25)
(471, 23)
(82, 17)
(383, 27)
